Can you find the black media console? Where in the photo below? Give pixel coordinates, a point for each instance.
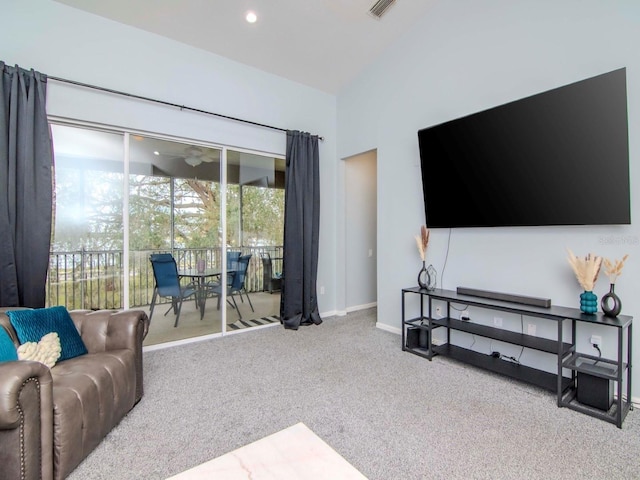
(572, 365)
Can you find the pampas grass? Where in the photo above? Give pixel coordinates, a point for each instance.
(586, 269)
(422, 241)
(614, 269)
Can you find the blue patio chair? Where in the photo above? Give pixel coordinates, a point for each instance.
(232, 265)
(167, 284)
(232, 260)
(235, 284)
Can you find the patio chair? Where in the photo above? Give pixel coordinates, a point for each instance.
(235, 284)
(232, 260)
(167, 284)
(232, 266)
(270, 280)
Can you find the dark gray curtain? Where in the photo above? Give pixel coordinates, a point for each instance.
(299, 300)
(26, 164)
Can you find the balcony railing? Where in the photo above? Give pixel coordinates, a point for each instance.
(94, 279)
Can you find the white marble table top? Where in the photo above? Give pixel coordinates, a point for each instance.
(294, 453)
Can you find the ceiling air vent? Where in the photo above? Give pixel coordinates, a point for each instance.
(380, 7)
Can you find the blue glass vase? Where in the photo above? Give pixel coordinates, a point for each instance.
(588, 302)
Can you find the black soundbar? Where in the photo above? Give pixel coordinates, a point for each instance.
(506, 297)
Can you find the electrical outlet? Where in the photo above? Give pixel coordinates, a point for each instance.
(531, 329)
(596, 340)
(322, 290)
(497, 321)
(465, 315)
(439, 312)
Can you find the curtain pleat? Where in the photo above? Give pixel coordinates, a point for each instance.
(299, 300)
(26, 187)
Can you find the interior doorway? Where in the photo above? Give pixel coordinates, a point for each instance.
(361, 208)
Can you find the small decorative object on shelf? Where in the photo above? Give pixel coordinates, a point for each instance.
(433, 278)
(610, 303)
(422, 241)
(586, 270)
(423, 276)
(588, 302)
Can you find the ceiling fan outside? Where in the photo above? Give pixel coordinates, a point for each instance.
(196, 155)
(193, 156)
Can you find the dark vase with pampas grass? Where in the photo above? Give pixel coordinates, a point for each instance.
(423, 276)
(422, 241)
(610, 303)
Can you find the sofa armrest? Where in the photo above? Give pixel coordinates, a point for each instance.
(26, 420)
(104, 330)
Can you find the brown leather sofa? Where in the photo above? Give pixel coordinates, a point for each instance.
(51, 419)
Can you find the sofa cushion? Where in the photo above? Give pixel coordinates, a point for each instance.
(46, 351)
(32, 325)
(8, 351)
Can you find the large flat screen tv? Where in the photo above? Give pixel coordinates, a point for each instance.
(560, 157)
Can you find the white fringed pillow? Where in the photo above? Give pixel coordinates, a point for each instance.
(46, 351)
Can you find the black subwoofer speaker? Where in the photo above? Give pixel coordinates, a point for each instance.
(595, 391)
(417, 337)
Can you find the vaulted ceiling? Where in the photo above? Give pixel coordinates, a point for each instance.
(320, 43)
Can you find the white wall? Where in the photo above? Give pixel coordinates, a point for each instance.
(64, 42)
(465, 56)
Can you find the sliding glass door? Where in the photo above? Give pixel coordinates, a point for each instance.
(174, 201)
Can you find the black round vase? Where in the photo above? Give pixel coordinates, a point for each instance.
(610, 303)
(423, 277)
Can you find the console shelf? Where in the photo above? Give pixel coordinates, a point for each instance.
(596, 366)
(533, 376)
(569, 361)
(536, 343)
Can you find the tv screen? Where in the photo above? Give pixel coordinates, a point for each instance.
(560, 157)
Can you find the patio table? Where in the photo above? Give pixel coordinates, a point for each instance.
(200, 282)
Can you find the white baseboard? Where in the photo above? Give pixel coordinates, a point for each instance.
(388, 328)
(185, 341)
(361, 307)
(342, 313)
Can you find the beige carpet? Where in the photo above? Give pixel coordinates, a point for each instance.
(390, 414)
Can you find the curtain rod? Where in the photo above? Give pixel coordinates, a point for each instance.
(169, 104)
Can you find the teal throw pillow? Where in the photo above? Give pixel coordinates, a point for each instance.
(32, 325)
(8, 350)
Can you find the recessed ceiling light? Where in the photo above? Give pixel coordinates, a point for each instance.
(156, 153)
(251, 17)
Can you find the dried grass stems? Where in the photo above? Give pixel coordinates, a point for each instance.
(422, 241)
(586, 269)
(614, 269)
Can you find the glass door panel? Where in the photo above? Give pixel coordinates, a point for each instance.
(174, 208)
(85, 263)
(255, 227)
